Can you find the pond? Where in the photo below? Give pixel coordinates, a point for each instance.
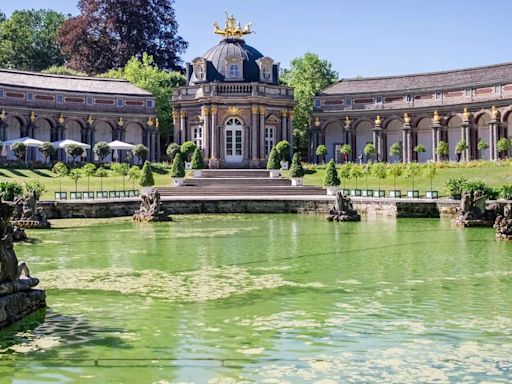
(266, 299)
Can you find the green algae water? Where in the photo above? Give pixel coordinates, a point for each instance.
(265, 299)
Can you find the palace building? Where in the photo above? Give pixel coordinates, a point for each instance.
(55, 107)
(233, 107)
(471, 104)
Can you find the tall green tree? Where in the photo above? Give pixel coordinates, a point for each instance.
(107, 34)
(308, 75)
(145, 74)
(28, 40)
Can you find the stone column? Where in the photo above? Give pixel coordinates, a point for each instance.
(377, 140)
(176, 127)
(214, 151)
(254, 135)
(310, 145)
(406, 143)
(206, 132)
(262, 133)
(493, 138)
(183, 127)
(290, 132)
(3, 130)
(284, 125)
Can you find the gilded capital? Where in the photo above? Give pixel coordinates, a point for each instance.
(284, 113)
(157, 123)
(150, 122)
(183, 114)
(262, 111)
(206, 111)
(317, 122)
(120, 122)
(90, 120)
(290, 114)
(214, 110)
(3, 115)
(61, 119)
(254, 110)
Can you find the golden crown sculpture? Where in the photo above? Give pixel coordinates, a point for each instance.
(232, 28)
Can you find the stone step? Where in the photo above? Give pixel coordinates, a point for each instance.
(236, 181)
(231, 173)
(246, 191)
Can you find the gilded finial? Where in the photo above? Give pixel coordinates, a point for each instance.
(150, 121)
(3, 115)
(90, 120)
(378, 121)
(232, 28)
(120, 122)
(61, 118)
(495, 113)
(157, 123)
(32, 116)
(466, 114)
(348, 121)
(407, 119)
(317, 122)
(437, 117)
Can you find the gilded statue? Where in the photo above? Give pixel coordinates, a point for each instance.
(495, 113)
(378, 121)
(466, 114)
(232, 28)
(348, 121)
(437, 118)
(61, 119)
(407, 119)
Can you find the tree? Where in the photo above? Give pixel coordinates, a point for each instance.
(101, 150)
(356, 172)
(331, 177)
(379, 171)
(172, 150)
(62, 70)
(35, 186)
(74, 151)
(370, 150)
(140, 151)
(178, 168)
(345, 171)
(283, 150)
(411, 171)
(146, 75)
(345, 150)
(75, 174)
(121, 169)
(134, 174)
(28, 40)
(296, 169)
(321, 151)
(88, 170)
(20, 151)
(503, 146)
(395, 170)
(482, 146)
(395, 150)
(273, 159)
(197, 159)
(9, 190)
(460, 147)
(308, 75)
(61, 170)
(430, 172)
(146, 175)
(106, 35)
(47, 150)
(420, 148)
(187, 149)
(366, 170)
(442, 149)
(101, 173)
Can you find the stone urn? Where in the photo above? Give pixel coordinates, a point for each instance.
(178, 181)
(284, 165)
(274, 173)
(297, 181)
(188, 165)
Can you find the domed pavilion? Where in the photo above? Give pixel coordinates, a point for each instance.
(233, 107)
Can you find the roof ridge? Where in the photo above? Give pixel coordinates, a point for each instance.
(32, 73)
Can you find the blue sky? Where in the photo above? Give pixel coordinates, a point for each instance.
(359, 37)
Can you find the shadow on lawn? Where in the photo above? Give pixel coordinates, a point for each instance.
(17, 173)
(40, 173)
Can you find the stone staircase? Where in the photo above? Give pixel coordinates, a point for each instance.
(239, 182)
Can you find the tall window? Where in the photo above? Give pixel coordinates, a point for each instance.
(200, 72)
(269, 139)
(338, 156)
(234, 71)
(266, 72)
(197, 135)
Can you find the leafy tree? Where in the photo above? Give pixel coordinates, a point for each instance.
(197, 159)
(146, 75)
(61, 170)
(178, 168)
(345, 171)
(331, 177)
(346, 150)
(482, 146)
(187, 150)
(62, 70)
(370, 150)
(442, 149)
(411, 171)
(308, 75)
(395, 170)
(460, 147)
(134, 174)
(74, 151)
(273, 159)
(420, 148)
(47, 150)
(101, 150)
(9, 190)
(88, 170)
(395, 150)
(121, 169)
(75, 174)
(430, 171)
(503, 146)
(28, 40)
(20, 151)
(283, 149)
(379, 171)
(106, 34)
(141, 152)
(366, 171)
(146, 175)
(296, 169)
(356, 172)
(101, 173)
(35, 186)
(172, 150)
(321, 151)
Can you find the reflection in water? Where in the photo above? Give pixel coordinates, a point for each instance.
(274, 298)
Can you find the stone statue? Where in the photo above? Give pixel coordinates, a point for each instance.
(503, 224)
(150, 207)
(17, 298)
(26, 214)
(473, 211)
(343, 209)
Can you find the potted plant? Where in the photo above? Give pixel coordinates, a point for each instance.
(420, 148)
(411, 171)
(345, 150)
(455, 187)
(379, 171)
(503, 146)
(101, 173)
(430, 172)
(370, 150)
(460, 147)
(331, 179)
(61, 170)
(355, 173)
(395, 151)
(321, 151)
(187, 149)
(296, 171)
(395, 170)
(367, 170)
(442, 150)
(482, 146)
(283, 150)
(345, 175)
(177, 171)
(197, 163)
(273, 164)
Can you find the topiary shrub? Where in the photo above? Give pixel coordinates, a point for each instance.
(74, 151)
(345, 150)
(197, 159)
(47, 150)
(178, 167)
(442, 149)
(140, 151)
(61, 170)
(172, 150)
(146, 175)
(331, 177)
(20, 150)
(321, 151)
(370, 150)
(296, 169)
(273, 160)
(101, 150)
(187, 149)
(395, 150)
(283, 149)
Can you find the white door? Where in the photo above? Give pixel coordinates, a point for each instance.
(234, 140)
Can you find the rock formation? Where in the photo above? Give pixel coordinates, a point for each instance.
(27, 215)
(473, 211)
(343, 209)
(17, 296)
(503, 224)
(150, 207)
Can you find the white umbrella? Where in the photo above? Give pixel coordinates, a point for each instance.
(28, 141)
(64, 143)
(116, 145)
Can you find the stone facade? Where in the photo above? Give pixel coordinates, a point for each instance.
(472, 104)
(55, 107)
(233, 107)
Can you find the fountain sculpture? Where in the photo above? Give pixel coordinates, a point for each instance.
(503, 224)
(343, 209)
(473, 211)
(150, 207)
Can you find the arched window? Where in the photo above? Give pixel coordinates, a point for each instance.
(200, 72)
(234, 71)
(266, 72)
